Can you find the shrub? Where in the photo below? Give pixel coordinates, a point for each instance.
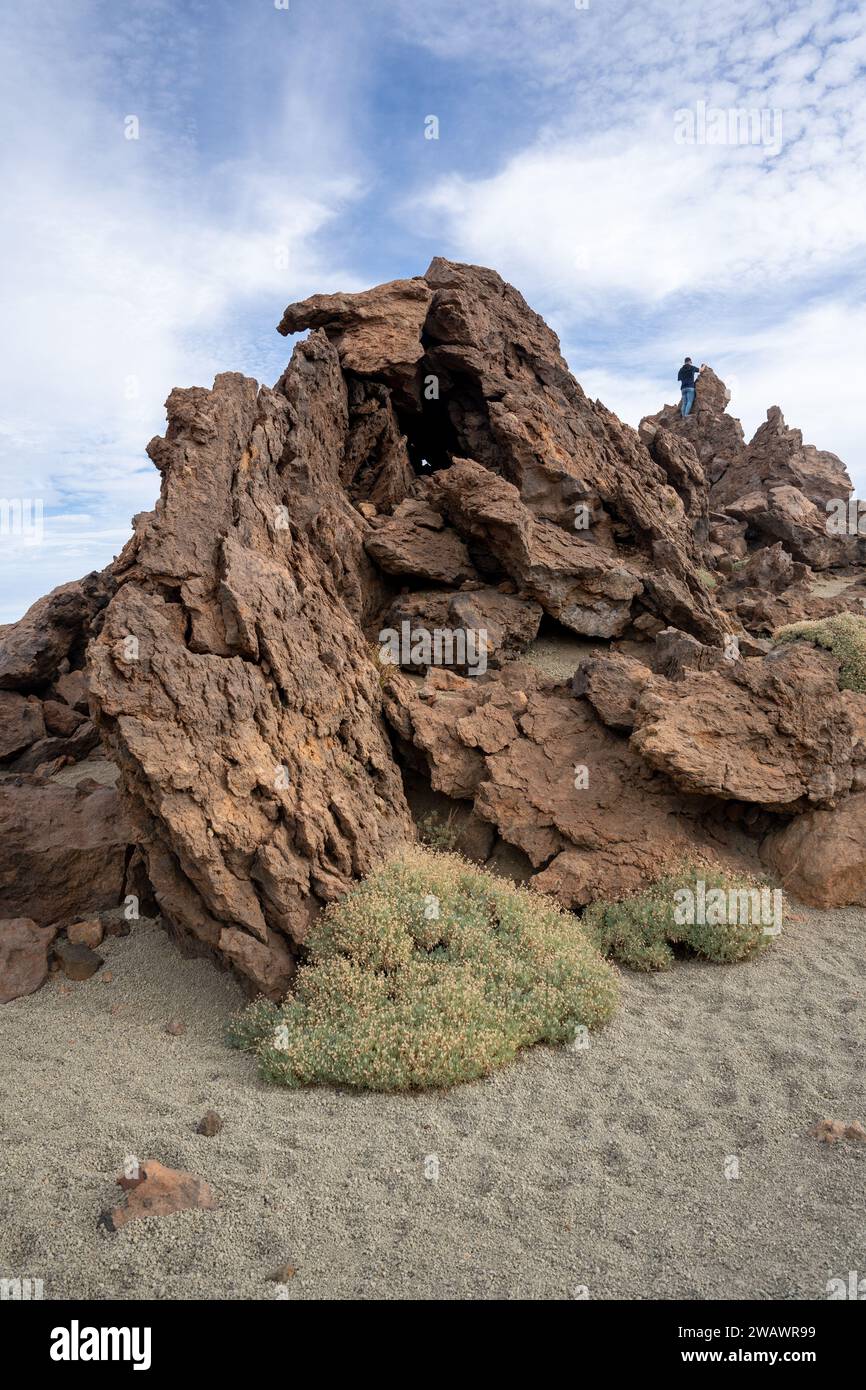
(428, 973)
(708, 580)
(438, 831)
(844, 635)
(640, 930)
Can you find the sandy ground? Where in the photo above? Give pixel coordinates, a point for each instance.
(602, 1169)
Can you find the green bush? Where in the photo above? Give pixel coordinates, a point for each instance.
(844, 635)
(640, 930)
(438, 831)
(428, 973)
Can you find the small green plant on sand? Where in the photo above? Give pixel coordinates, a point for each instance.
(429, 972)
(709, 911)
(708, 580)
(844, 635)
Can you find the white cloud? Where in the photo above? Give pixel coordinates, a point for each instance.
(638, 248)
(131, 269)
(810, 365)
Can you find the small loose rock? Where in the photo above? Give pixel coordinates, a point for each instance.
(209, 1124)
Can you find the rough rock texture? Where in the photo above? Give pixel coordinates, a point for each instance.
(378, 330)
(416, 541)
(715, 436)
(777, 457)
(613, 685)
(23, 957)
(821, 856)
(63, 850)
(22, 722)
(504, 398)
(574, 580)
(773, 730)
(158, 1191)
(510, 621)
(592, 817)
(776, 486)
(54, 629)
(245, 717)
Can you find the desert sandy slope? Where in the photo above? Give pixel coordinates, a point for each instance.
(602, 1168)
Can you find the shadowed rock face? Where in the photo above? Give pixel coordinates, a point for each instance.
(428, 460)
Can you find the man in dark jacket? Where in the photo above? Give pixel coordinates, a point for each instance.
(687, 376)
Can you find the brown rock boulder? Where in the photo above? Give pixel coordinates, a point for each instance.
(77, 961)
(821, 856)
(21, 722)
(53, 629)
(590, 815)
(375, 331)
(23, 957)
(502, 624)
(63, 850)
(575, 581)
(416, 542)
(88, 934)
(613, 685)
(772, 730)
(61, 719)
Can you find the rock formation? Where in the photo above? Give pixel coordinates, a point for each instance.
(230, 719)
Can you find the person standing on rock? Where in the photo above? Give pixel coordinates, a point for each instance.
(687, 376)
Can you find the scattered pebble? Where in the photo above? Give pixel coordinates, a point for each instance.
(77, 962)
(209, 1124)
(86, 933)
(175, 1027)
(831, 1131)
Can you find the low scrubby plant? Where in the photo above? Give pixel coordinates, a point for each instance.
(429, 972)
(844, 635)
(712, 913)
(439, 831)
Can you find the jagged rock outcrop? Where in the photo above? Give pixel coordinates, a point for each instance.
(427, 463)
(715, 437)
(492, 387)
(231, 678)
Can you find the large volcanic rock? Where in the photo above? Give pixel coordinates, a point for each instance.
(574, 580)
(426, 459)
(231, 678)
(715, 437)
(491, 387)
(776, 487)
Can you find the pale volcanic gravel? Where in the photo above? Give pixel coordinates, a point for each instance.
(602, 1168)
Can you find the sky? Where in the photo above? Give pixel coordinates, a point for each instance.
(658, 180)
